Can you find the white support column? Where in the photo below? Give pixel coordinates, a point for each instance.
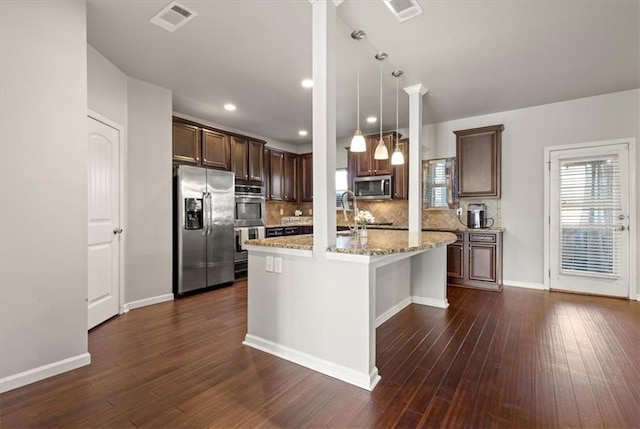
(415, 156)
(324, 124)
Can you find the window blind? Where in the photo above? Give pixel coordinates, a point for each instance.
(436, 186)
(590, 202)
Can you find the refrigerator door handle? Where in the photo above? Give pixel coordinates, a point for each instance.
(210, 228)
(205, 214)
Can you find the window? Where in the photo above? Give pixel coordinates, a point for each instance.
(439, 183)
(589, 203)
(342, 185)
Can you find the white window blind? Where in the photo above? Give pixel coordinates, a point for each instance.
(590, 202)
(436, 185)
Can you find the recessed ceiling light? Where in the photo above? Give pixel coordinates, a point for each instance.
(230, 107)
(303, 132)
(371, 119)
(307, 83)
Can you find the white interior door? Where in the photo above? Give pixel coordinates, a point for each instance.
(104, 223)
(589, 220)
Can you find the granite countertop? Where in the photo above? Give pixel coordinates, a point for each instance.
(378, 242)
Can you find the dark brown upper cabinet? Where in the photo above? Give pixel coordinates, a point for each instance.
(186, 143)
(479, 160)
(276, 169)
(256, 161)
(240, 158)
(197, 144)
(216, 150)
(247, 160)
(366, 165)
(306, 177)
(401, 173)
(290, 178)
(283, 177)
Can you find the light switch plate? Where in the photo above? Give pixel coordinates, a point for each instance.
(281, 212)
(277, 266)
(269, 264)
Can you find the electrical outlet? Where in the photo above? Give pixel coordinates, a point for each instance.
(277, 266)
(281, 212)
(269, 264)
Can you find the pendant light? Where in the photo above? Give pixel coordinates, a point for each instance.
(397, 158)
(382, 152)
(358, 144)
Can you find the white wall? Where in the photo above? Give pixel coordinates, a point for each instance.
(107, 88)
(148, 240)
(43, 183)
(527, 132)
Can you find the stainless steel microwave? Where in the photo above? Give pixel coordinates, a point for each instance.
(372, 187)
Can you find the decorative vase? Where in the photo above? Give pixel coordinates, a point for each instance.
(363, 232)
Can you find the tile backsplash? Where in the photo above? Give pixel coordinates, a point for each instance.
(393, 211)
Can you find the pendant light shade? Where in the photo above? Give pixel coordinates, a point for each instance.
(397, 158)
(358, 144)
(382, 152)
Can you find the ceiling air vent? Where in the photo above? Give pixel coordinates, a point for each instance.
(404, 9)
(173, 16)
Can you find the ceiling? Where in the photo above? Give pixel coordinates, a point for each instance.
(475, 57)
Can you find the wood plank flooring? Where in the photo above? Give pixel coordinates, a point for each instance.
(516, 359)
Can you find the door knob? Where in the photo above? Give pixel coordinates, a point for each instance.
(621, 217)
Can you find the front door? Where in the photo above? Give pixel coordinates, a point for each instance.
(103, 295)
(589, 219)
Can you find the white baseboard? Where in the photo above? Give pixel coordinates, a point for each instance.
(526, 285)
(392, 311)
(147, 301)
(638, 297)
(362, 380)
(40, 373)
(431, 302)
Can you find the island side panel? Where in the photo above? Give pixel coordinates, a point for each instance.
(316, 313)
(393, 289)
(429, 277)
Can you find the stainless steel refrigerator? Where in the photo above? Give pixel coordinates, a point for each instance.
(204, 236)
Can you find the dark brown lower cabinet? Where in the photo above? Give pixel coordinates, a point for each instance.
(475, 260)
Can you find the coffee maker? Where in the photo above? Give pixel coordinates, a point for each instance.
(476, 216)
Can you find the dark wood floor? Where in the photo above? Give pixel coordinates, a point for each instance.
(520, 358)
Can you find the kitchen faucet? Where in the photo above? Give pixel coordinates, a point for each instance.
(353, 230)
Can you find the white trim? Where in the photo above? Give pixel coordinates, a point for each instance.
(40, 373)
(431, 302)
(280, 251)
(122, 137)
(348, 375)
(147, 301)
(526, 285)
(633, 224)
(392, 311)
(638, 297)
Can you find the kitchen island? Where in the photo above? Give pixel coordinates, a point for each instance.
(321, 310)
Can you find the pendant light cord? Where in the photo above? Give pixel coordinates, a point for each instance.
(397, 126)
(358, 91)
(381, 100)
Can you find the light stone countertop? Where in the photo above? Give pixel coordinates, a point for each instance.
(378, 242)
